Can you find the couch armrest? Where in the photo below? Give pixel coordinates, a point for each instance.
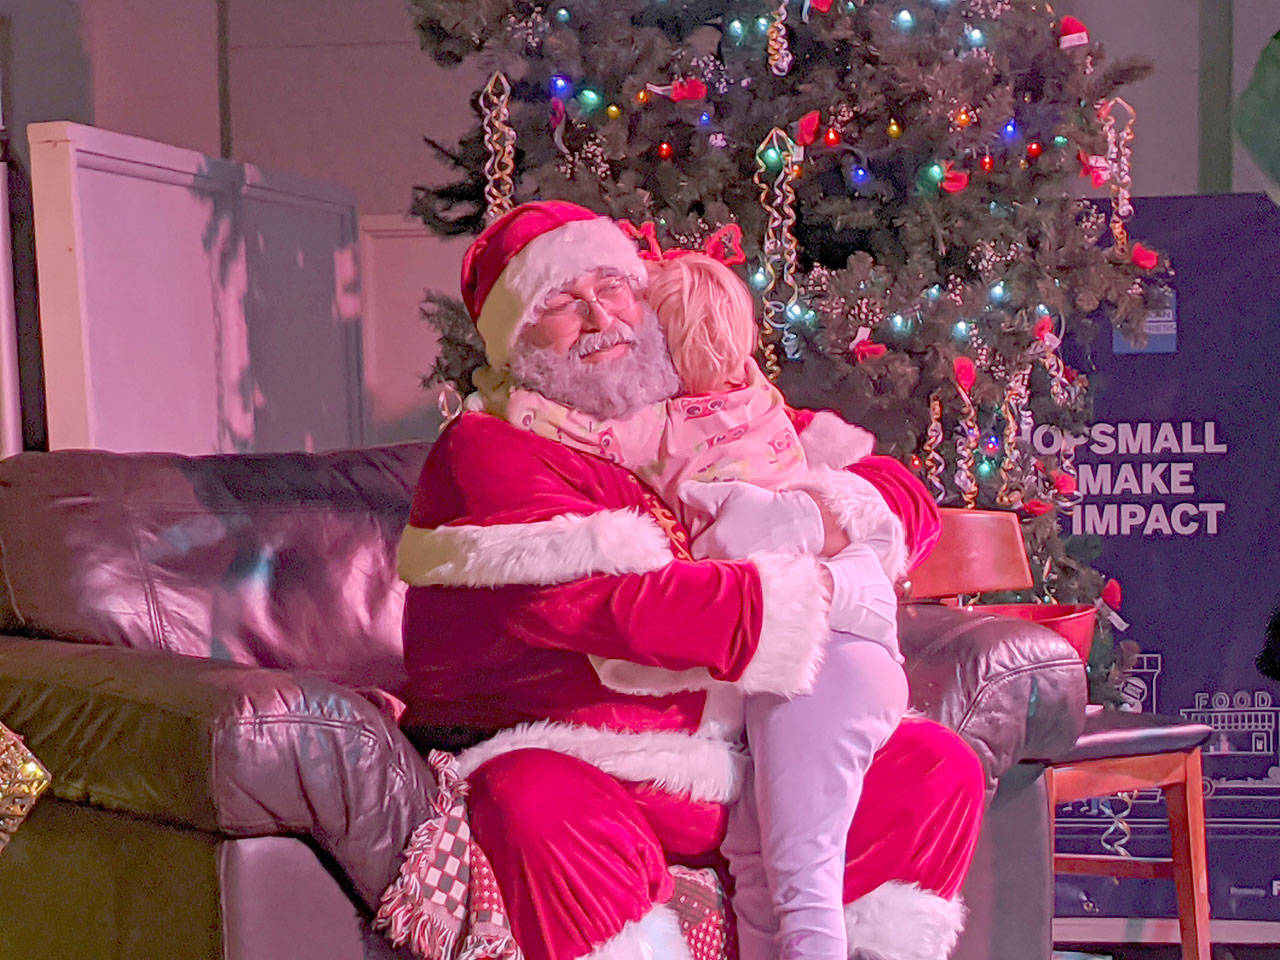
(1013, 689)
(221, 747)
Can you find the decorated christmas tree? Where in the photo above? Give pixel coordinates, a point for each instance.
(898, 176)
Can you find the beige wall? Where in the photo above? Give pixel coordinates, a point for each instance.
(155, 69)
(339, 90)
(44, 66)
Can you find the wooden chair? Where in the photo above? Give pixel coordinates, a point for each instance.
(1120, 752)
(981, 551)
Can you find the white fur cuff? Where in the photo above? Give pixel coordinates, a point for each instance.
(559, 550)
(862, 513)
(655, 936)
(794, 634)
(900, 921)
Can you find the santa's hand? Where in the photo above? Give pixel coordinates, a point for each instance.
(750, 519)
(863, 600)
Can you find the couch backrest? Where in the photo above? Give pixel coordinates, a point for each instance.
(280, 560)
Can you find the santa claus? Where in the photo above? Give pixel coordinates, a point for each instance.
(531, 563)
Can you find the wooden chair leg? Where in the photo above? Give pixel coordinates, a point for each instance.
(1185, 801)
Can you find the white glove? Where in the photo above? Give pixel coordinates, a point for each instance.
(863, 601)
(750, 519)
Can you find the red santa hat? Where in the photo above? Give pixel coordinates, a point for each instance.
(531, 252)
(1072, 33)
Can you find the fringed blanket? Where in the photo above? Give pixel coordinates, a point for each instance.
(446, 904)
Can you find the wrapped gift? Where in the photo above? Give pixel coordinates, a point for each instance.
(22, 780)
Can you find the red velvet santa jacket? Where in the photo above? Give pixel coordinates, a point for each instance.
(531, 565)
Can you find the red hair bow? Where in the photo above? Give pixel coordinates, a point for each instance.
(724, 245)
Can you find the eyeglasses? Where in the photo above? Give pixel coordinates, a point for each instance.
(611, 294)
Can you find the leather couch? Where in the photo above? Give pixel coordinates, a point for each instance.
(194, 647)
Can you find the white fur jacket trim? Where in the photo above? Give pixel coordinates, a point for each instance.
(674, 761)
(829, 441)
(900, 921)
(792, 640)
(559, 550)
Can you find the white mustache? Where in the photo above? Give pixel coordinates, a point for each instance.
(590, 343)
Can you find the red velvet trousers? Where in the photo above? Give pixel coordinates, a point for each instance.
(578, 854)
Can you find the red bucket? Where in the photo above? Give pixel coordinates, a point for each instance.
(1074, 621)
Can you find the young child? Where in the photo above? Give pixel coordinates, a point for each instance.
(719, 452)
(787, 834)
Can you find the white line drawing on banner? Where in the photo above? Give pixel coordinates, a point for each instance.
(1240, 758)
(1138, 688)
(1241, 763)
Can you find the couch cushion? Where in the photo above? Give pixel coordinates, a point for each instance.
(219, 747)
(95, 885)
(279, 560)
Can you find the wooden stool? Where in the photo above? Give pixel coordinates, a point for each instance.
(1119, 752)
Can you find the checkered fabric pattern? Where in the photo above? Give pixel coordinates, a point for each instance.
(448, 875)
(445, 904)
(704, 913)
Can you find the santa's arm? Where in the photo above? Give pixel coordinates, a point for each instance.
(605, 583)
(760, 625)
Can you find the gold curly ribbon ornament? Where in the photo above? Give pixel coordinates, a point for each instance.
(780, 58)
(1012, 410)
(1120, 162)
(966, 478)
(780, 250)
(499, 144)
(934, 464)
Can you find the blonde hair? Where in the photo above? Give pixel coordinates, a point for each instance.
(709, 318)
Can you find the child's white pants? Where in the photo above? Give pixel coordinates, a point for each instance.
(786, 836)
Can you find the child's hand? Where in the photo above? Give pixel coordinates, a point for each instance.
(750, 519)
(834, 538)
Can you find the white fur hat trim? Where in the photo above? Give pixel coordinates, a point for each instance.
(545, 264)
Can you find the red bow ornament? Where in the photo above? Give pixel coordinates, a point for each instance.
(867, 349)
(1094, 167)
(807, 128)
(1109, 605)
(1143, 257)
(1111, 594)
(953, 181)
(677, 90)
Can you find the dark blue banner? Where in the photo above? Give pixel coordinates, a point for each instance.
(1180, 477)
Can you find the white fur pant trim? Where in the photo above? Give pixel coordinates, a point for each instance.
(655, 936)
(900, 921)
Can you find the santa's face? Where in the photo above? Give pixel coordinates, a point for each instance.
(595, 346)
(596, 303)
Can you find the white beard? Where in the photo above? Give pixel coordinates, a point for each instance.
(607, 389)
